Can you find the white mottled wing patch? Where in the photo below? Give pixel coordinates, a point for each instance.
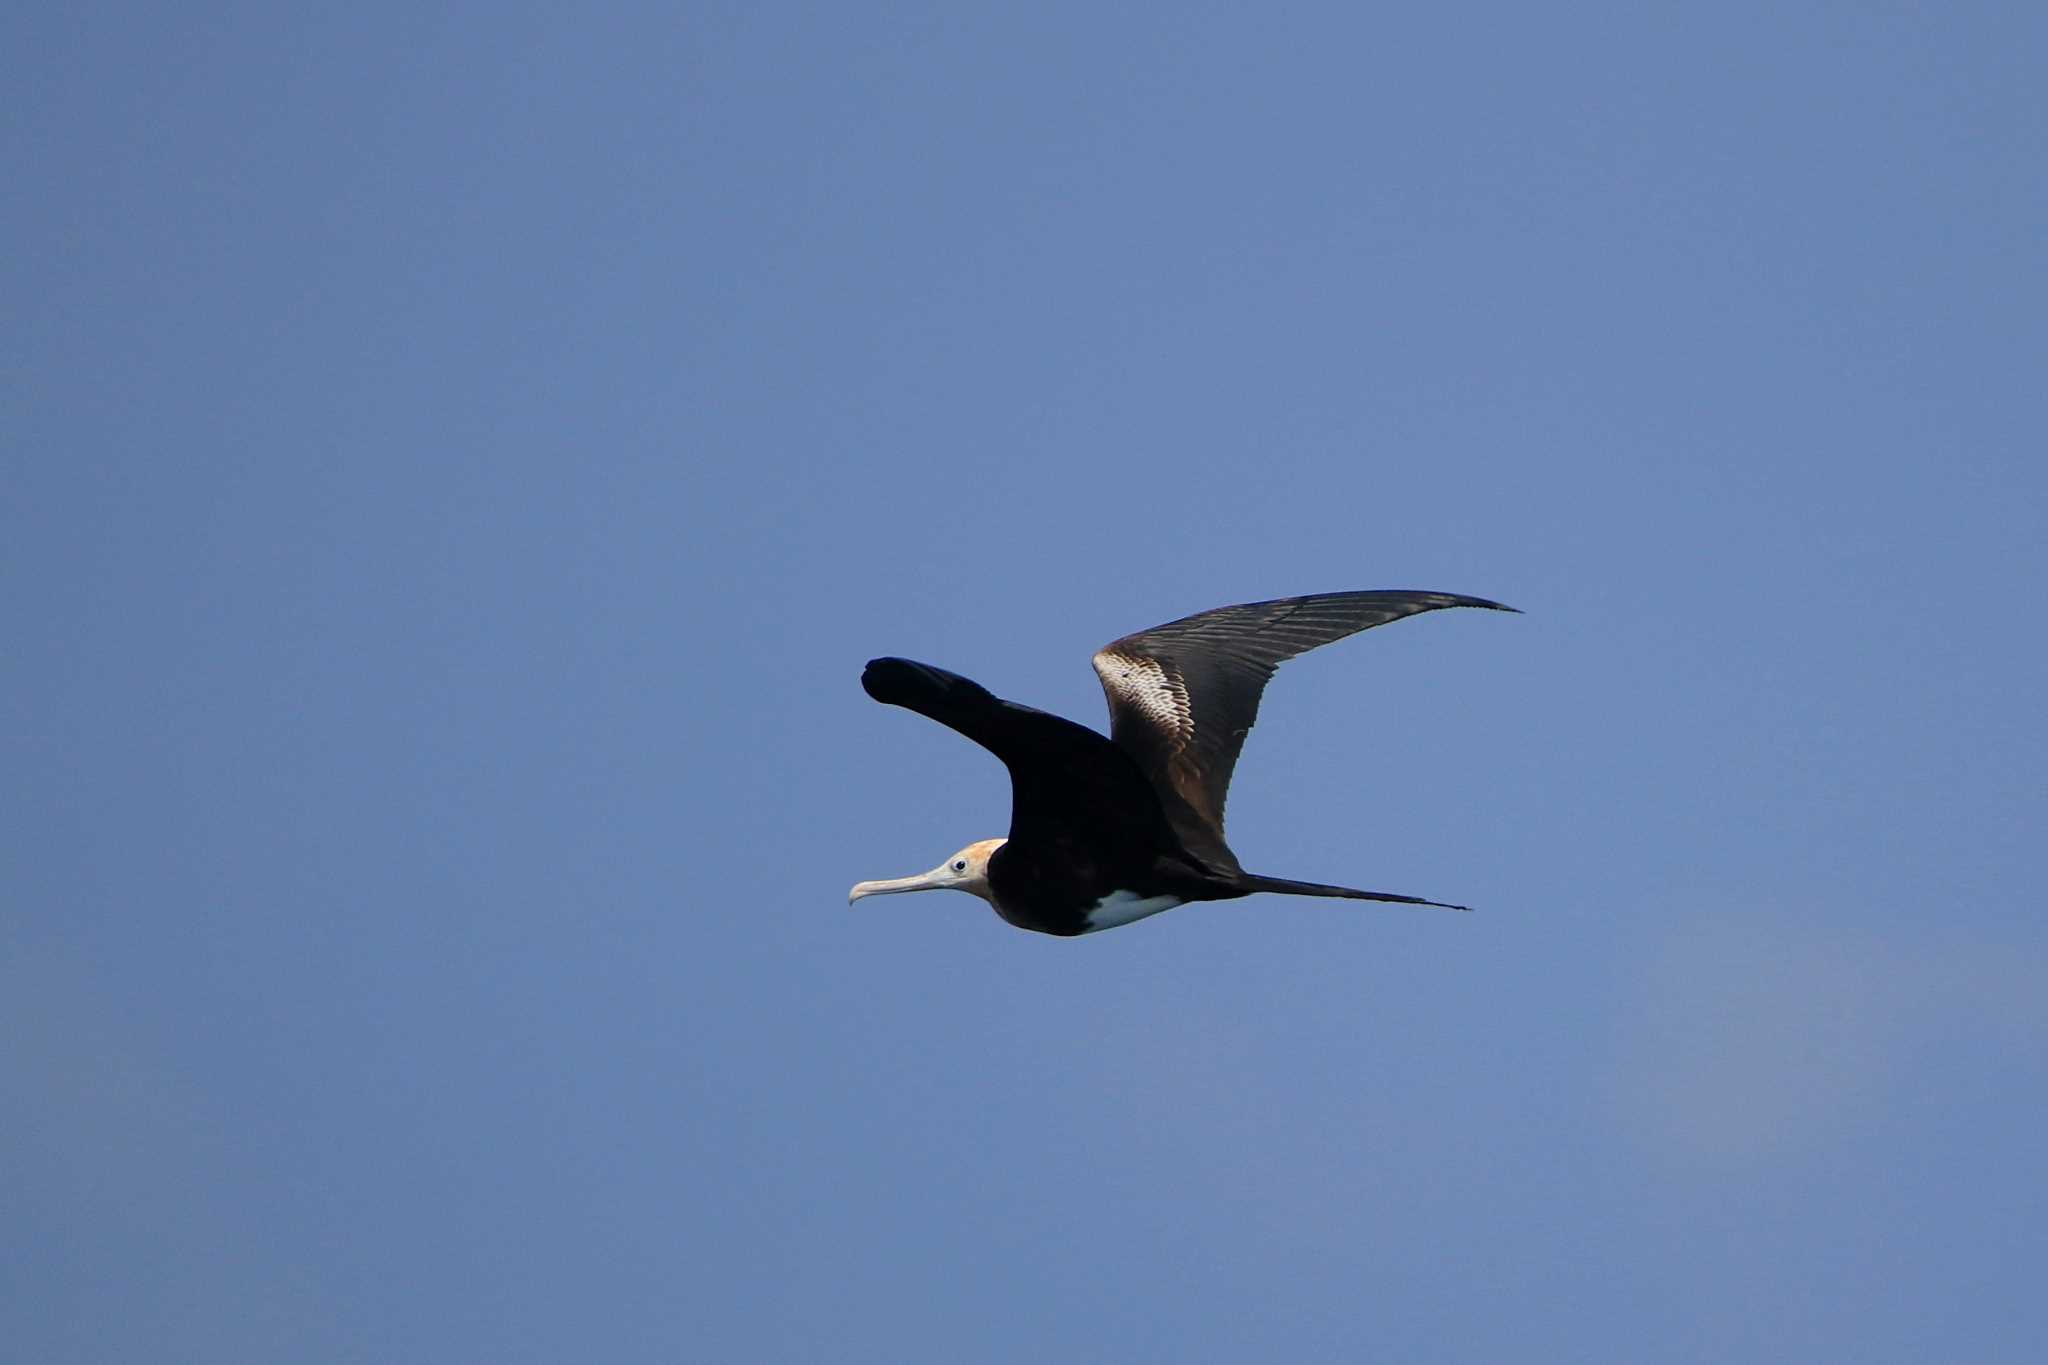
(1146, 686)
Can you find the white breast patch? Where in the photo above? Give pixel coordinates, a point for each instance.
(1121, 907)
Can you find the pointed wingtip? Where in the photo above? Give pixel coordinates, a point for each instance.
(1459, 599)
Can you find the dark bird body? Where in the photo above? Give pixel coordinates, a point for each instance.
(1104, 831)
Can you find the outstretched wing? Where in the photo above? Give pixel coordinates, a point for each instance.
(1069, 787)
(1182, 696)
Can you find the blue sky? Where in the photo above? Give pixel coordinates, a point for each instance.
(460, 459)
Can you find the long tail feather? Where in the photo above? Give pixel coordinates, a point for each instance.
(1282, 886)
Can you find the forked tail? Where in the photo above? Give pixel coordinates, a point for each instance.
(1282, 886)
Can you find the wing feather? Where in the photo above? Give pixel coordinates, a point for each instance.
(1069, 786)
(1183, 696)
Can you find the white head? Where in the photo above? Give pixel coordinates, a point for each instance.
(966, 871)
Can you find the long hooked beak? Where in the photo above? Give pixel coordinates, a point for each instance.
(938, 878)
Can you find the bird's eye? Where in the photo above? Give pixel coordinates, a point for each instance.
(959, 864)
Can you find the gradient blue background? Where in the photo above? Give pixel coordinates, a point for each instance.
(458, 460)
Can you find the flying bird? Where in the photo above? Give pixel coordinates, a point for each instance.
(1107, 831)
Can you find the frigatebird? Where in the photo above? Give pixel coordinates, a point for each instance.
(1107, 831)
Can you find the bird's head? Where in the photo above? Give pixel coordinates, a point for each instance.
(966, 871)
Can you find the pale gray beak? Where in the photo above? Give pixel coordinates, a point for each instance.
(939, 878)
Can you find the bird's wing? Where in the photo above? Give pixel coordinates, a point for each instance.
(1182, 696)
(1069, 786)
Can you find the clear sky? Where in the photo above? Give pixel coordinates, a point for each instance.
(458, 460)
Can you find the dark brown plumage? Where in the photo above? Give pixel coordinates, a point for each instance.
(1105, 831)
